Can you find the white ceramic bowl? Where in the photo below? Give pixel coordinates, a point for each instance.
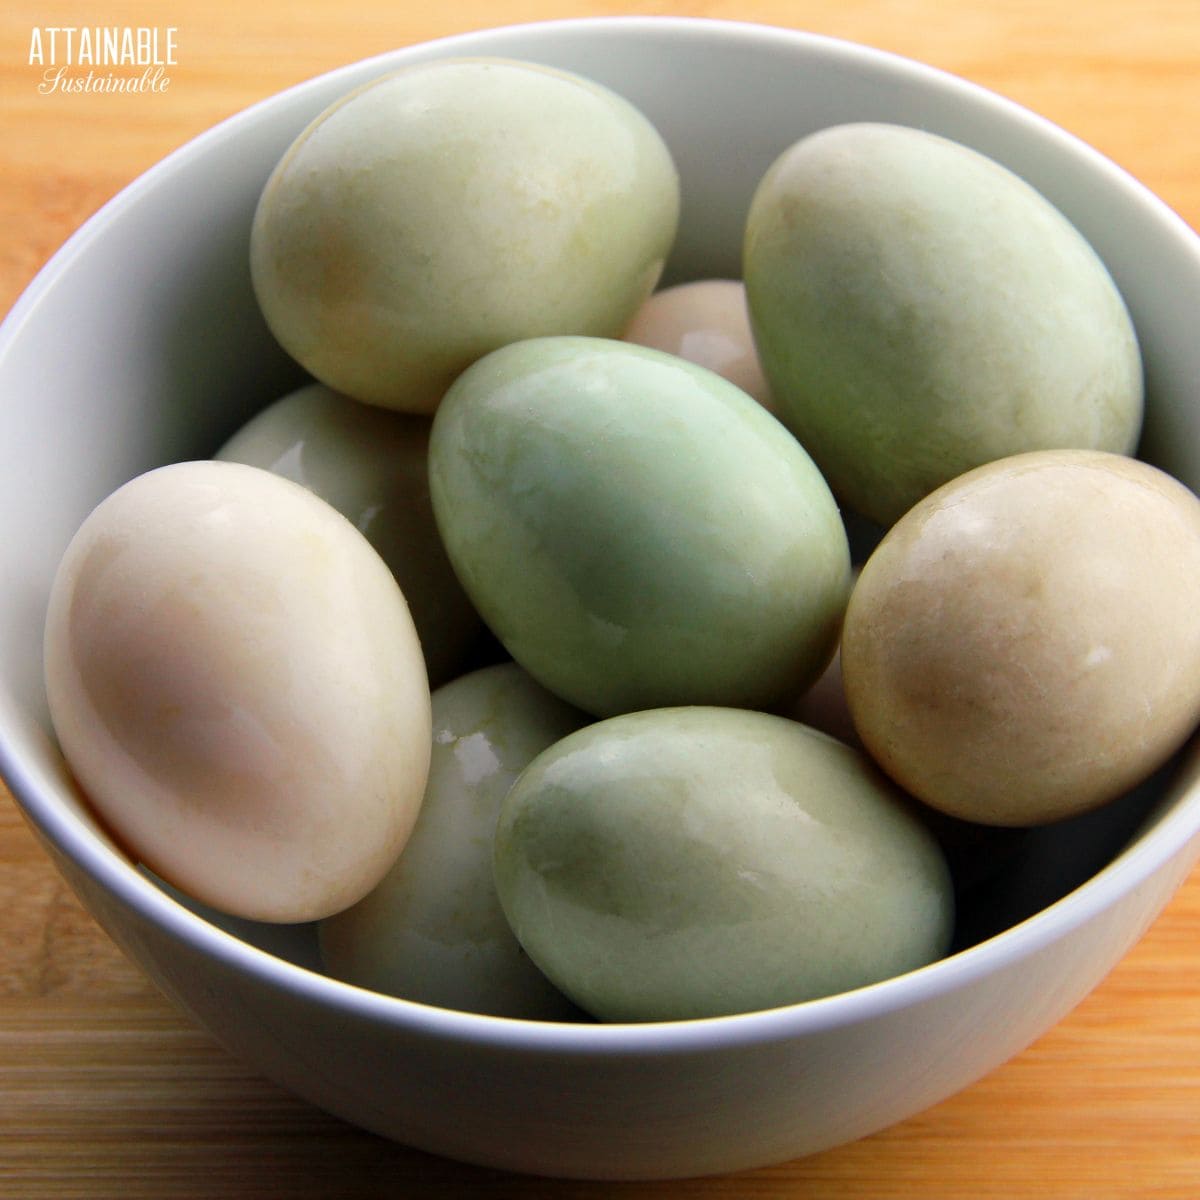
(140, 343)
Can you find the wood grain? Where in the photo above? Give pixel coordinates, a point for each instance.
(106, 1091)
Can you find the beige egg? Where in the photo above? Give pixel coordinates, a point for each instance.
(823, 706)
(236, 683)
(1024, 644)
(707, 323)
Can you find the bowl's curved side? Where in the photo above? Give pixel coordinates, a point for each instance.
(626, 1108)
(167, 354)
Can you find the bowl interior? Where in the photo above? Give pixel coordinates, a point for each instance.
(141, 343)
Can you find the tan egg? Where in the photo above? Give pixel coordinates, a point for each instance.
(705, 322)
(237, 685)
(1023, 644)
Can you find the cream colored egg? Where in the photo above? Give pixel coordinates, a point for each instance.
(706, 322)
(237, 685)
(1023, 644)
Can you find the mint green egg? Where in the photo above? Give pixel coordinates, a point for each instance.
(920, 310)
(432, 930)
(453, 206)
(636, 530)
(697, 862)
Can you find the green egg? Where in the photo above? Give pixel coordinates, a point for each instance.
(451, 207)
(432, 929)
(920, 310)
(696, 862)
(636, 530)
(372, 466)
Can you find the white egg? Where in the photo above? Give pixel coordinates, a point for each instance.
(237, 685)
(433, 930)
(707, 323)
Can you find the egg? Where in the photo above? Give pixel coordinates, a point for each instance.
(694, 862)
(823, 705)
(1023, 645)
(371, 465)
(706, 322)
(433, 929)
(454, 206)
(636, 530)
(920, 310)
(236, 683)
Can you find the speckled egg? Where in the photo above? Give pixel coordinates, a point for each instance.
(920, 310)
(450, 208)
(433, 929)
(696, 862)
(635, 529)
(1023, 645)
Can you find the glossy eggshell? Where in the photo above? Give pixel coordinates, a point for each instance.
(636, 530)
(706, 322)
(235, 680)
(920, 310)
(694, 862)
(1024, 644)
(433, 929)
(372, 466)
(450, 208)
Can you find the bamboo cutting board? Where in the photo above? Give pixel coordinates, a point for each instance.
(107, 1091)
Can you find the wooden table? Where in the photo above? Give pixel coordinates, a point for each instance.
(105, 1091)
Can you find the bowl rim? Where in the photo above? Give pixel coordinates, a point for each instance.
(1175, 834)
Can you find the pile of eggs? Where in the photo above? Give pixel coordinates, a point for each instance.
(485, 650)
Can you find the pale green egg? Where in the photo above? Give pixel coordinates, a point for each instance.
(920, 310)
(433, 929)
(636, 530)
(450, 208)
(372, 466)
(697, 862)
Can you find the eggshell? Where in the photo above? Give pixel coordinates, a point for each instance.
(636, 530)
(452, 207)
(706, 322)
(920, 310)
(1024, 644)
(695, 862)
(236, 683)
(372, 466)
(433, 929)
